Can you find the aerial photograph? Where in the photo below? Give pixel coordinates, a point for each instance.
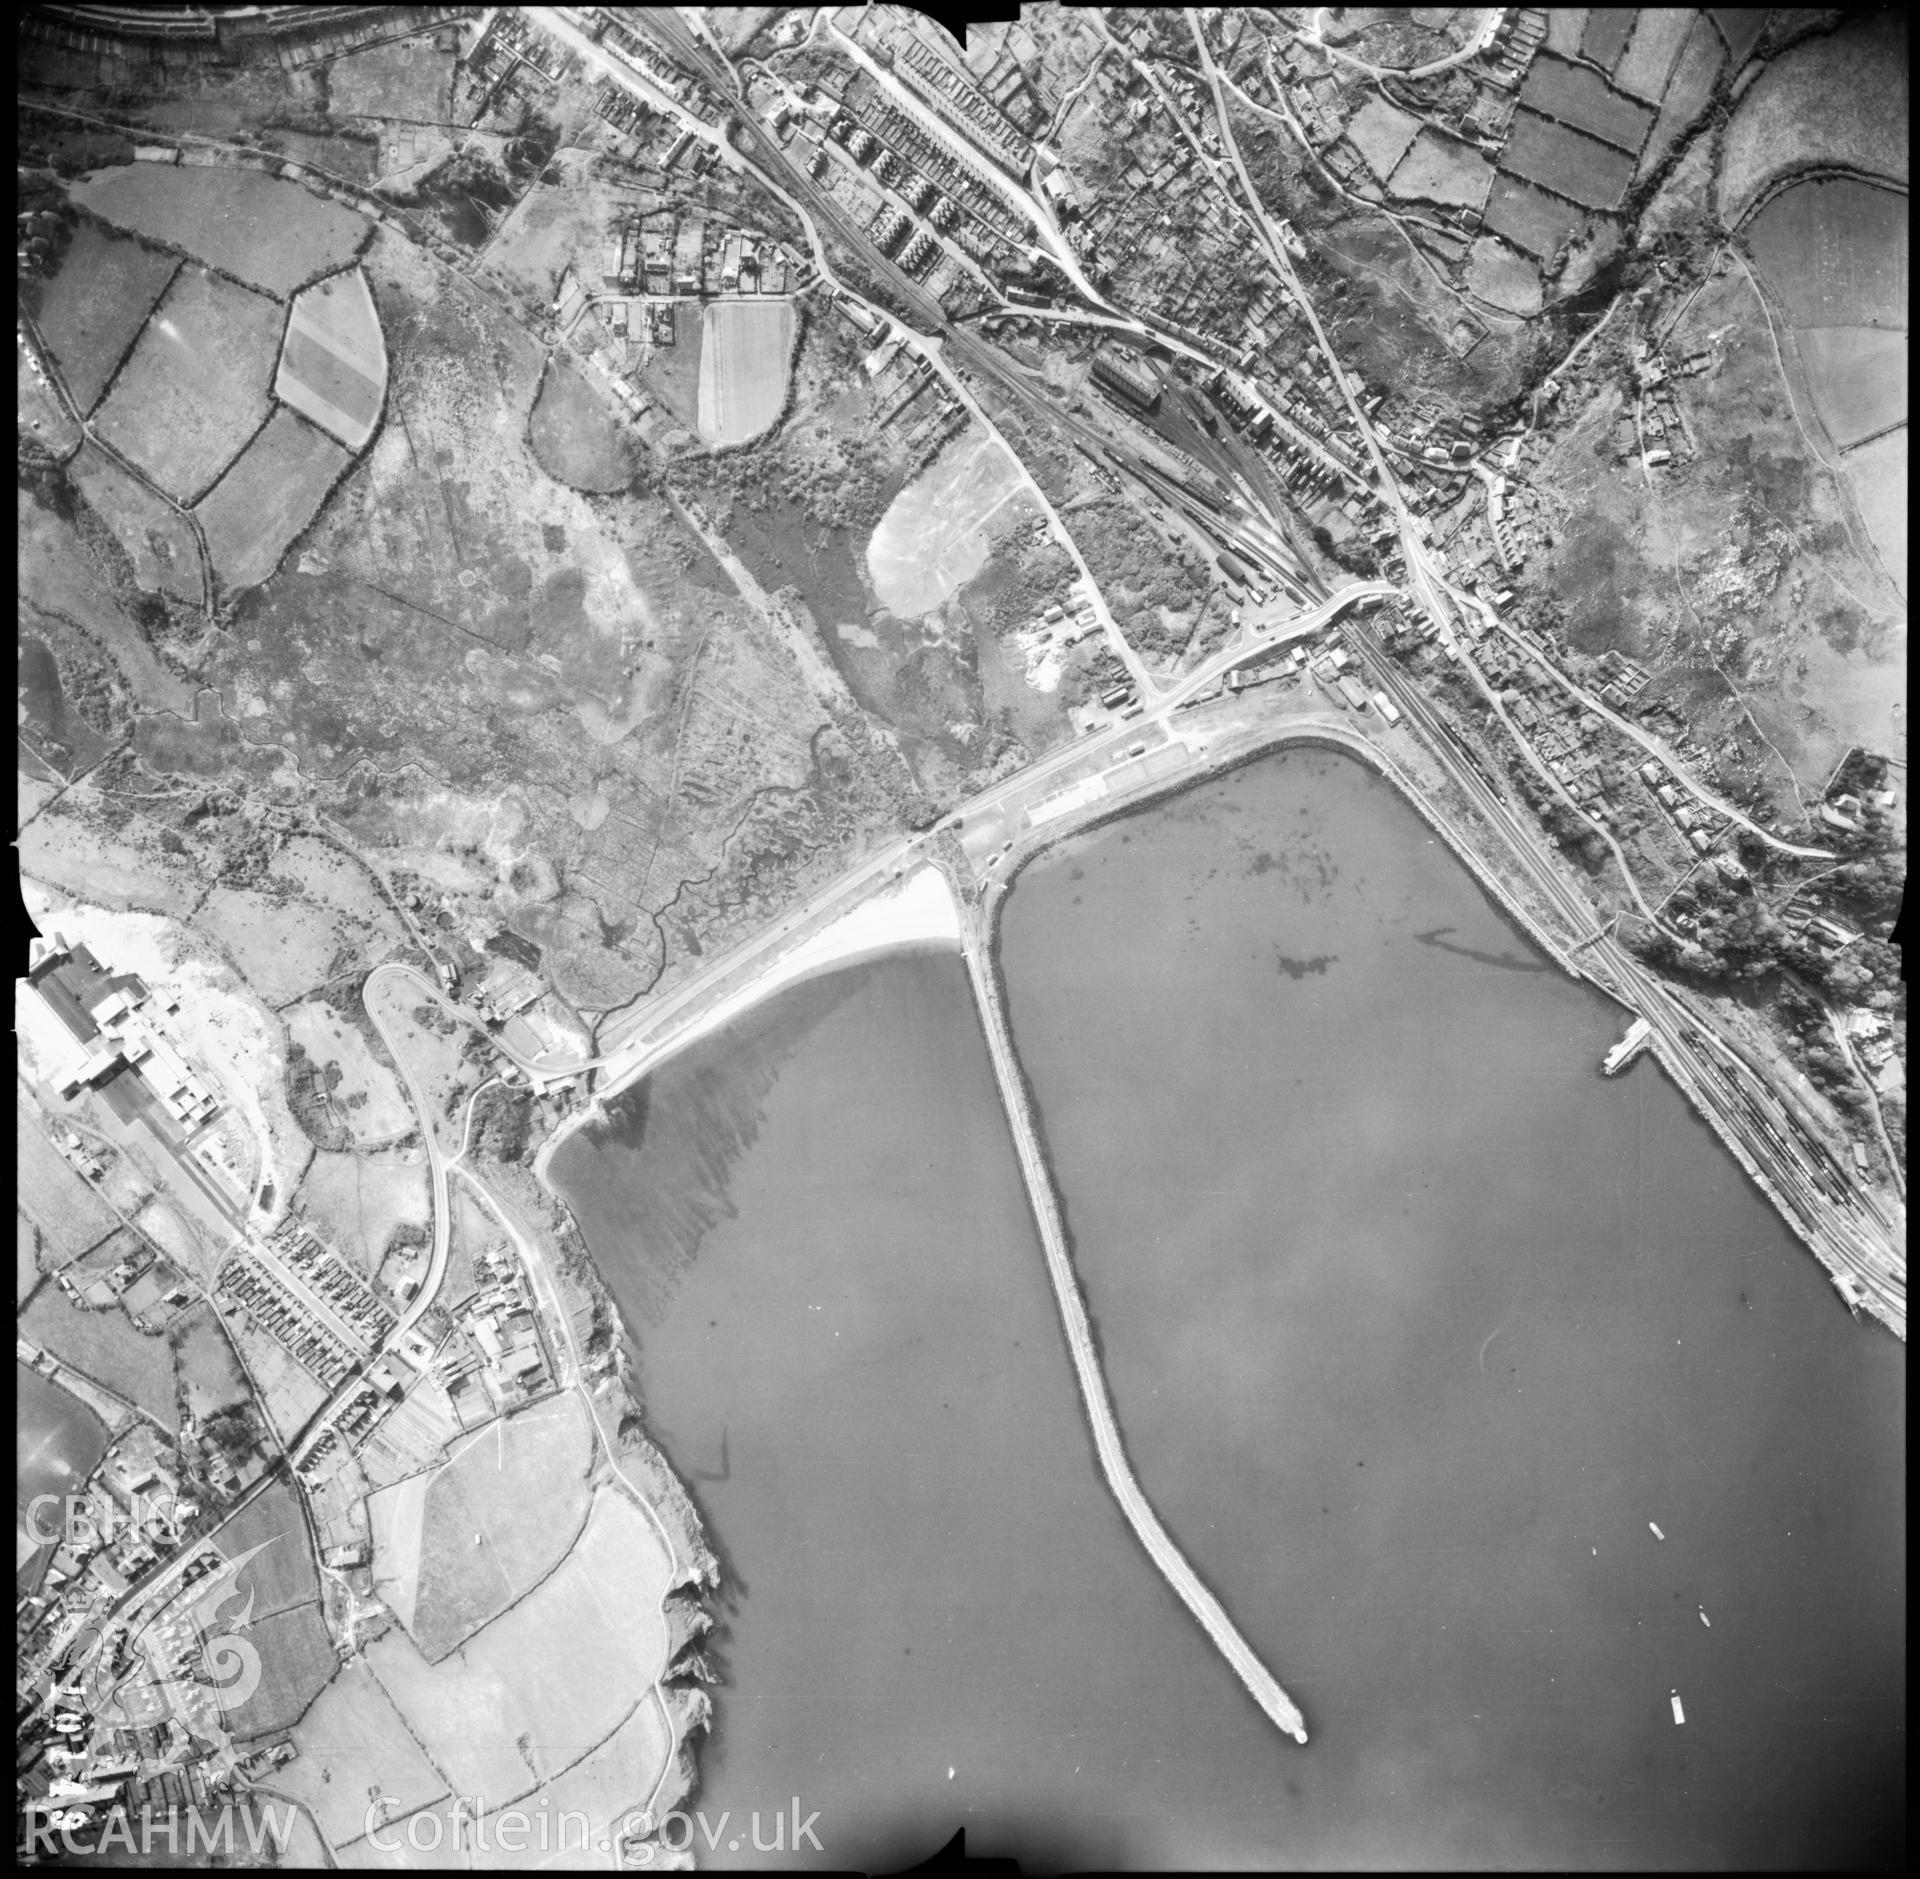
(961, 935)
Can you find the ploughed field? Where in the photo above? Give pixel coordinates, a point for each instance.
(746, 353)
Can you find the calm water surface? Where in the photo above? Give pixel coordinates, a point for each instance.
(1413, 1323)
(59, 1442)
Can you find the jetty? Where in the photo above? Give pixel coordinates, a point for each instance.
(1261, 1683)
(1639, 1035)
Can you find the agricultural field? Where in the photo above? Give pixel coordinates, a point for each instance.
(674, 374)
(91, 310)
(1381, 133)
(158, 540)
(1836, 253)
(1606, 34)
(268, 498)
(1577, 96)
(333, 367)
(538, 1457)
(277, 944)
(1687, 93)
(207, 1374)
(1859, 379)
(746, 354)
(1440, 169)
(364, 1097)
(104, 1345)
(575, 436)
(360, 1201)
(297, 1662)
(288, 1394)
(195, 388)
(1879, 474)
(1503, 277)
(594, 1626)
(271, 235)
(1580, 168)
(1741, 27)
(282, 1574)
(354, 1750)
(70, 1215)
(614, 1781)
(1658, 35)
(1529, 217)
(1840, 100)
(405, 78)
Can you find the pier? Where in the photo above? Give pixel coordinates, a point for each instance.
(1638, 1036)
(1172, 1564)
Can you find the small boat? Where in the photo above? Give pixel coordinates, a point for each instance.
(1655, 1531)
(1679, 1714)
(1704, 1619)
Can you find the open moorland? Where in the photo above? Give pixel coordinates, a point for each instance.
(575, 436)
(196, 386)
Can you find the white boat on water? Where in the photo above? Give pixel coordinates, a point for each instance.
(1655, 1531)
(1679, 1714)
(1704, 1619)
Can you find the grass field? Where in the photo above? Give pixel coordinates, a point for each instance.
(273, 235)
(158, 539)
(297, 1661)
(1859, 379)
(195, 388)
(1579, 96)
(1836, 253)
(1658, 34)
(283, 1574)
(1879, 472)
(746, 353)
(1841, 100)
(205, 1366)
(595, 1631)
(615, 1780)
(90, 311)
(333, 368)
(68, 1212)
(367, 1097)
(1439, 169)
(281, 950)
(268, 498)
(406, 78)
(353, 1750)
(1605, 36)
(358, 1201)
(106, 1347)
(1381, 134)
(1687, 91)
(1529, 217)
(491, 1487)
(1580, 168)
(1503, 277)
(574, 435)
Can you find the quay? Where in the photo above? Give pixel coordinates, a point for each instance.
(1260, 1681)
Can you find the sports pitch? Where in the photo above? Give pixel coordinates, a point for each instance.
(745, 354)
